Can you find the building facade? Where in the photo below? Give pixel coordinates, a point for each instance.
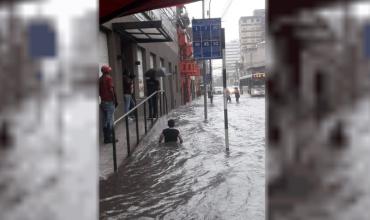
(254, 59)
(317, 72)
(252, 30)
(137, 43)
(232, 62)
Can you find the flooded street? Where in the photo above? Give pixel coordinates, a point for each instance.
(341, 190)
(198, 179)
(48, 171)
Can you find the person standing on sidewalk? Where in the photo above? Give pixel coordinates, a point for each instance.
(152, 86)
(108, 102)
(128, 91)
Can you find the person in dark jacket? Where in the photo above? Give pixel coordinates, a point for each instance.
(237, 94)
(170, 134)
(128, 90)
(152, 85)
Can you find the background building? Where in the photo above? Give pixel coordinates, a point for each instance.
(232, 62)
(254, 61)
(252, 30)
(252, 43)
(137, 43)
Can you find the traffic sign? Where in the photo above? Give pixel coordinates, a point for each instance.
(207, 39)
(367, 40)
(41, 40)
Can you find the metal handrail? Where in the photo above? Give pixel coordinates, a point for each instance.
(137, 106)
(162, 95)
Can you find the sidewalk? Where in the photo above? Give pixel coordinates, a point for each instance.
(106, 150)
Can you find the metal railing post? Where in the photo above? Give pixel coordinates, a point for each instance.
(157, 109)
(128, 137)
(145, 125)
(165, 96)
(151, 103)
(137, 126)
(160, 102)
(114, 150)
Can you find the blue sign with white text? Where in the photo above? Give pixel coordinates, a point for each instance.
(207, 39)
(367, 41)
(41, 40)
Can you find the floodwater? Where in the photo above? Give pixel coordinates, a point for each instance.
(198, 179)
(341, 189)
(48, 172)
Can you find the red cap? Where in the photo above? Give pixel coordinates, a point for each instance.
(106, 69)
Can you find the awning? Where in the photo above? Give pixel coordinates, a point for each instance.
(109, 9)
(143, 31)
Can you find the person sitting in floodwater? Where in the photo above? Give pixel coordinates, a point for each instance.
(170, 134)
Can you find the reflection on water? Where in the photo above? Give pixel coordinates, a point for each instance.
(198, 179)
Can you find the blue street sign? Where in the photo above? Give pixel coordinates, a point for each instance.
(367, 40)
(207, 39)
(41, 40)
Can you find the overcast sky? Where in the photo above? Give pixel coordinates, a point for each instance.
(230, 20)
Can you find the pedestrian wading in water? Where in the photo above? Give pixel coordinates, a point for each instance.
(228, 97)
(170, 134)
(237, 94)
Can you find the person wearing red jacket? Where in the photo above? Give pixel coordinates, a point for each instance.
(108, 102)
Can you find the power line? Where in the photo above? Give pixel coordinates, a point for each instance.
(227, 8)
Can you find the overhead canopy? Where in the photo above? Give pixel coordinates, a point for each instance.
(109, 9)
(143, 31)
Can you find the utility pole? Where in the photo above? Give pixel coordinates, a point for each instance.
(224, 85)
(210, 60)
(204, 74)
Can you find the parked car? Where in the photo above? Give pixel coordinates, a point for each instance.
(218, 90)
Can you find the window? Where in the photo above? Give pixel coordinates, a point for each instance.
(161, 63)
(140, 58)
(177, 79)
(170, 67)
(152, 63)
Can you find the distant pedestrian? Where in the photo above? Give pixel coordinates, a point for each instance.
(6, 138)
(152, 85)
(128, 91)
(210, 95)
(237, 94)
(108, 102)
(170, 134)
(228, 97)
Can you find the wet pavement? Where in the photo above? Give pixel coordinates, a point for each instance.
(341, 182)
(198, 179)
(106, 167)
(50, 171)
